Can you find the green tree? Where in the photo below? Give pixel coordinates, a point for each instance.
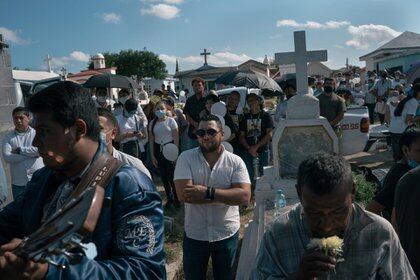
(133, 62)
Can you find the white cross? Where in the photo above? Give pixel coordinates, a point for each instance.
(300, 57)
(48, 61)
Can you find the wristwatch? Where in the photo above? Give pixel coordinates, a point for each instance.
(208, 194)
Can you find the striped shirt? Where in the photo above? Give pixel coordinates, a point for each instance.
(371, 248)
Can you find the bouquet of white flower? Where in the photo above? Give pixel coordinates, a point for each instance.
(331, 246)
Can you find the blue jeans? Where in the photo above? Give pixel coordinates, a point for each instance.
(197, 253)
(248, 159)
(17, 190)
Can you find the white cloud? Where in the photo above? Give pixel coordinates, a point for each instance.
(336, 24)
(176, 2)
(224, 58)
(12, 36)
(287, 22)
(363, 36)
(111, 17)
(312, 24)
(163, 11)
(65, 61)
(227, 58)
(173, 2)
(79, 56)
(167, 58)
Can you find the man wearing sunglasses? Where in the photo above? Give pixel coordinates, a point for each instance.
(213, 183)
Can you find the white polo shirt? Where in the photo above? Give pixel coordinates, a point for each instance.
(213, 221)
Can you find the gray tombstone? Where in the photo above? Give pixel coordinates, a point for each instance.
(7, 96)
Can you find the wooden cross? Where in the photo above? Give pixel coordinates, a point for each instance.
(300, 57)
(205, 53)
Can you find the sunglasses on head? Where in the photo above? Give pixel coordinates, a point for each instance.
(210, 132)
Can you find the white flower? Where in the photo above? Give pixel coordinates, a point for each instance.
(332, 246)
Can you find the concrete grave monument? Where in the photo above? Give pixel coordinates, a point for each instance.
(302, 133)
(7, 96)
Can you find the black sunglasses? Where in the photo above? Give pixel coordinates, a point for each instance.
(210, 132)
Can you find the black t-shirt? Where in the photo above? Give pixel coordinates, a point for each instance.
(236, 119)
(407, 207)
(255, 127)
(193, 107)
(386, 195)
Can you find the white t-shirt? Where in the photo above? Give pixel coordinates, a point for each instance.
(213, 221)
(130, 160)
(134, 123)
(163, 130)
(22, 165)
(398, 124)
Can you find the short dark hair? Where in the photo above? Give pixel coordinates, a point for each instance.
(409, 136)
(170, 101)
(235, 92)
(20, 110)
(131, 105)
(212, 97)
(198, 80)
(67, 102)
(323, 173)
(124, 91)
(210, 117)
(102, 112)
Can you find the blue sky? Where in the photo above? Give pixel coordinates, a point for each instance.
(232, 30)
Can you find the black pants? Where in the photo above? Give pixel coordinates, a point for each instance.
(166, 169)
(371, 108)
(131, 148)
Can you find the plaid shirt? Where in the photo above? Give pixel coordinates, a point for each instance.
(371, 249)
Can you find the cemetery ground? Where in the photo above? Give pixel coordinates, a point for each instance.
(378, 159)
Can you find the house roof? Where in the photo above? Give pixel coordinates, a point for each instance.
(211, 70)
(204, 71)
(319, 63)
(91, 72)
(32, 75)
(407, 40)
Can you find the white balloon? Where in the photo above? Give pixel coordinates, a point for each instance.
(226, 132)
(228, 146)
(170, 152)
(218, 108)
(222, 120)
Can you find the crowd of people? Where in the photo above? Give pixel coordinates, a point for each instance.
(64, 129)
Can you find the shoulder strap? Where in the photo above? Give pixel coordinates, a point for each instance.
(98, 174)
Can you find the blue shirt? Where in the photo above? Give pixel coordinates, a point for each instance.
(128, 235)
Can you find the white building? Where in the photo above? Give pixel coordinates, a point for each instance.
(98, 68)
(315, 68)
